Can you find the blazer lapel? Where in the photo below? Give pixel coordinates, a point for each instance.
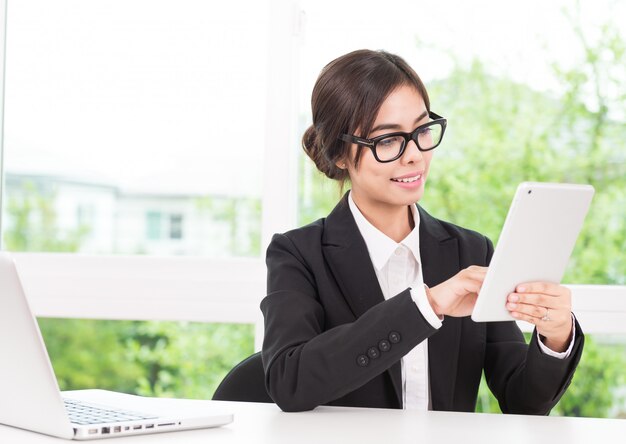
(440, 261)
(347, 255)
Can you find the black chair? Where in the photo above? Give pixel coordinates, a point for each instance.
(244, 382)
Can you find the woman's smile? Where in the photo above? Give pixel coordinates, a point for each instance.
(411, 180)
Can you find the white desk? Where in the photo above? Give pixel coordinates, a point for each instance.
(265, 423)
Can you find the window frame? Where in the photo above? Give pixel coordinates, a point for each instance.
(208, 290)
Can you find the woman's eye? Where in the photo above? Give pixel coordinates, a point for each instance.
(425, 131)
(390, 142)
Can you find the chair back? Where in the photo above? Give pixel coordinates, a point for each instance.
(244, 382)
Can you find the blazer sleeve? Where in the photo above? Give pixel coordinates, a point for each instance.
(523, 378)
(307, 365)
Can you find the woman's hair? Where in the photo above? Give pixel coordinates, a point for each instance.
(346, 98)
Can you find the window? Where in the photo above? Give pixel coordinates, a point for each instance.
(176, 226)
(113, 148)
(153, 225)
(132, 103)
(117, 117)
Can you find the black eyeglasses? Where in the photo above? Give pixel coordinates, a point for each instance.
(390, 147)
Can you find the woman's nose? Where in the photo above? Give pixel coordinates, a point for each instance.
(411, 153)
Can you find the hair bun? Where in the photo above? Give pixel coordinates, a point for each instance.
(309, 141)
(313, 147)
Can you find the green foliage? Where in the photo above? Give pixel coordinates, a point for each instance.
(498, 139)
(186, 359)
(33, 223)
(147, 358)
(594, 390)
(87, 354)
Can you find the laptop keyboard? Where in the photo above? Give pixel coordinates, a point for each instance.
(84, 413)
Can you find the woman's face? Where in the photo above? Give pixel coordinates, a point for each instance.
(397, 183)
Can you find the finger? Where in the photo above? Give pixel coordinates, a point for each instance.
(471, 286)
(541, 300)
(547, 288)
(528, 310)
(466, 276)
(524, 317)
(477, 276)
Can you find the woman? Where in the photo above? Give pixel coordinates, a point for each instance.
(370, 306)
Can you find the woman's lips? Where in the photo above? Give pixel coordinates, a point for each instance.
(408, 178)
(413, 180)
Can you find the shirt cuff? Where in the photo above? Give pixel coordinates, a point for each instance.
(559, 355)
(418, 295)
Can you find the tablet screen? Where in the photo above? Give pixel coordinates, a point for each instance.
(537, 239)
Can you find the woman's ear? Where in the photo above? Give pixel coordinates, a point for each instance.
(341, 164)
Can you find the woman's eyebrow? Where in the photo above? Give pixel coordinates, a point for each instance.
(385, 126)
(395, 126)
(421, 116)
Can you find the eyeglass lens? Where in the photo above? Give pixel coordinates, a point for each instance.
(426, 138)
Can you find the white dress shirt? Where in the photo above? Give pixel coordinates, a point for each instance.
(397, 267)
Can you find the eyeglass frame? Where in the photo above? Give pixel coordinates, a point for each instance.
(371, 143)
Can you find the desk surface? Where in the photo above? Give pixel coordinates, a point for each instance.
(265, 423)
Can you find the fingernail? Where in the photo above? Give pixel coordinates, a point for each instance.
(521, 289)
(513, 298)
(512, 305)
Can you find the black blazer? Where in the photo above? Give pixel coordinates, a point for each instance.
(331, 337)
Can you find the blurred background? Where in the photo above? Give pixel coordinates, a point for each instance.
(173, 129)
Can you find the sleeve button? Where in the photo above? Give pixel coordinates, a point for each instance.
(362, 361)
(373, 352)
(384, 345)
(394, 337)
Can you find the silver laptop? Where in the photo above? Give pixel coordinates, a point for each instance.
(31, 398)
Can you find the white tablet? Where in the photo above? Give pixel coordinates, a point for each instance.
(535, 244)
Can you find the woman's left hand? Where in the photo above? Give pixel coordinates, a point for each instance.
(548, 306)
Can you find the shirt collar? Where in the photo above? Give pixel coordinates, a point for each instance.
(379, 245)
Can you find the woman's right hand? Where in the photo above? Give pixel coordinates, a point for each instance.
(457, 296)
